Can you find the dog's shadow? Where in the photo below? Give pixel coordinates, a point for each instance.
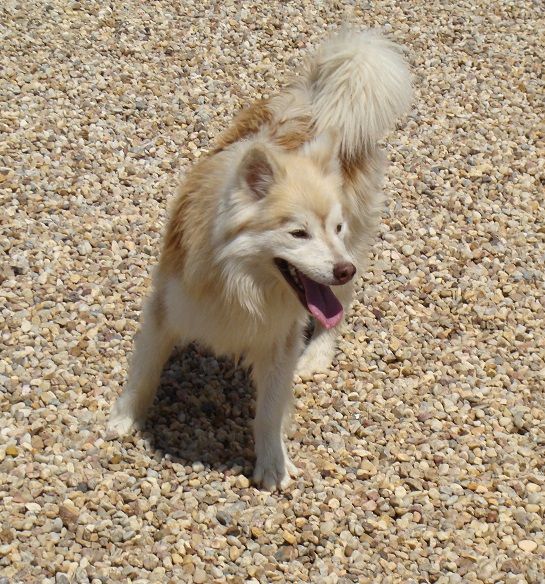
(203, 412)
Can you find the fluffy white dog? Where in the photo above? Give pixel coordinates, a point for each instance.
(282, 211)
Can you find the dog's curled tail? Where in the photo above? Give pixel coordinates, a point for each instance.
(358, 84)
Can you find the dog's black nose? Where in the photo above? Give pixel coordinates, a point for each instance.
(344, 272)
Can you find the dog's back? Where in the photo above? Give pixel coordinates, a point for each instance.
(356, 83)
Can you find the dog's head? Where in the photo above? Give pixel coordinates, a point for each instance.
(281, 224)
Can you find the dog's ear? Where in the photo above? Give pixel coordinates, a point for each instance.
(257, 171)
(324, 150)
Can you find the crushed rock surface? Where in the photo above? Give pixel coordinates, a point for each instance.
(421, 451)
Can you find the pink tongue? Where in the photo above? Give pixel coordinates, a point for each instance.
(321, 302)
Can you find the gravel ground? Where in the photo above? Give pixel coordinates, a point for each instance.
(422, 450)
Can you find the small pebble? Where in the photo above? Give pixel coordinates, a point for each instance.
(527, 545)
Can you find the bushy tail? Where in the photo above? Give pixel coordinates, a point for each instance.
(359, 84)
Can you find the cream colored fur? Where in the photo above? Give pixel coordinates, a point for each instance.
(217, 281)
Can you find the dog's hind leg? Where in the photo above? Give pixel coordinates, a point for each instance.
(273, 377)
(319, 352)
(153, 345)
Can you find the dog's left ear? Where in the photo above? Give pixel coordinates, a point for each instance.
(257, 171)
(324, 150)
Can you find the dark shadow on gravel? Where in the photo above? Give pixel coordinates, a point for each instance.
(203, 412)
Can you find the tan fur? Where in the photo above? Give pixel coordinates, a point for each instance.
(185, 213)
(293, 134)
(289, 134)
(248, 122)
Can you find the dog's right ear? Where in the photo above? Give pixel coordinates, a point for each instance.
(257, 172)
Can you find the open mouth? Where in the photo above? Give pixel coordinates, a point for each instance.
(317, 298)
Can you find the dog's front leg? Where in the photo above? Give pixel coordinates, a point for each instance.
(319, 353)
(273, 378)
(153, 345)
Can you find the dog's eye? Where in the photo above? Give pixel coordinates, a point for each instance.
(300, 234)
(339, 227)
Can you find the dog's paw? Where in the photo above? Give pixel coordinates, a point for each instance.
(315, 359)
(274, 474)
(120, 423)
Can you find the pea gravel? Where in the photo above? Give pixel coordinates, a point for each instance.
(421, 451)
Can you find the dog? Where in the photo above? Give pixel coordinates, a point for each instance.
(272, 227)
